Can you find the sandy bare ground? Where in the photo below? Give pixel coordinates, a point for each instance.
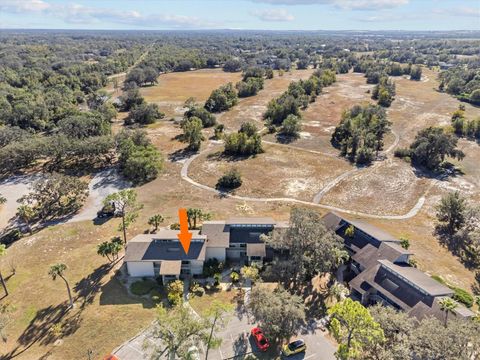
(102, 184)
(184, 174)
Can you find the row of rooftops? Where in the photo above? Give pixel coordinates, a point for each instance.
(377, 251)
(386, 269)
(164, 245)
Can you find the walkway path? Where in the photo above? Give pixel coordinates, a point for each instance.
(411, 213)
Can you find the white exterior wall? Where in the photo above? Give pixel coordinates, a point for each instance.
(140, 268)
(215, 252)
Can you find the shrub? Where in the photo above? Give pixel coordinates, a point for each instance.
(232, 179)
(175, 226)
(174, 299)
(175, 292)
(142, 287)
(197, 289)
(218, 131)
(463, 297)
(404, 243)
(11, 236)
(234, 277)
(217, 277)
(402, 152)
(439, 279)
(156, 296)
(211, 267)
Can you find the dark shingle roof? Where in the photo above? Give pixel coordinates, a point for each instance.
(164, 246)
(251, 220)
(417, 278)
(369, 254)
(422, 311)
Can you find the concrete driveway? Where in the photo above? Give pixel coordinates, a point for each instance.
(103, 183)
(236, 343)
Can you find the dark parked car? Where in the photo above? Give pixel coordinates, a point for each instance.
(107, 211)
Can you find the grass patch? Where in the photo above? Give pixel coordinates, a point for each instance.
(29, 314)
(143, 287)
(201, 303)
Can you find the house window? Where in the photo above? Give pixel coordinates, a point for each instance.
(255, 258)
(243, 245)
(185, 262)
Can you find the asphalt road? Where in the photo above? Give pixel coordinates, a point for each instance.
(236, 343)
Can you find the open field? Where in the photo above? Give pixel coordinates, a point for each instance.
(288, 172)
(174, 88)
(109, 316)
(252, 108)
(321, 117)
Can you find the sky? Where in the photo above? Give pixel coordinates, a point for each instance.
(241, 14)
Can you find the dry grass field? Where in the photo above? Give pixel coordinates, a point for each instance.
(416, 106)
(174, 88)
(321, 117)
(105, 315)
(252, 108)
(288, 172)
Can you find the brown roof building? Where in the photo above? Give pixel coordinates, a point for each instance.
(382, 272)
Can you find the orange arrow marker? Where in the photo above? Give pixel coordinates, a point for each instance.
(184, 236)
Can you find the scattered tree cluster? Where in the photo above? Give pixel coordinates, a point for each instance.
(247, 141)
(463, 82)
(252, 82)
(459, 227)
(360, 133)
(222, 99)
(384, 92)
(139, 160)
(464, 127)
(194, 110)
(431, 147)
(298, 96)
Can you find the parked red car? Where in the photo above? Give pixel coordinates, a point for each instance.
(260, 339)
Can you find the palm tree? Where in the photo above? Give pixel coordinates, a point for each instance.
(105, 249)
(155, 221)
(58, 270)
(3, 252)
(3, 200)
(448, 305)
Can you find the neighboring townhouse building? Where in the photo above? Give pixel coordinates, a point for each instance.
(380, 272)
(161, 254)
(236, 239)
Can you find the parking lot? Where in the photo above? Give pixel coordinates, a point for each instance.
(237, 343)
